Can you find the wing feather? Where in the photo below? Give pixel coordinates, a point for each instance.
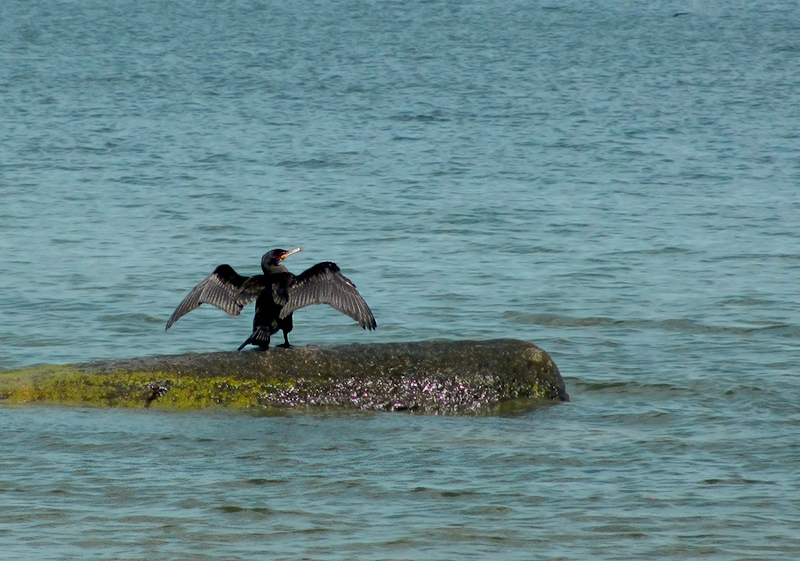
(224, 288)
(325, 284)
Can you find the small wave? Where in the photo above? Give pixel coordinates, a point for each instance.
(434, 117)
(139, 179)
(684, 325)
(233, 509)
(754, 257)
(554, 320)
(736, 481)
(215, 158)
(657, 394)
(487, 510)
(655, 251)
(692, 326)
(264, 481)
(218, 228)
(747, 301)
(131, 318)
(311, 163)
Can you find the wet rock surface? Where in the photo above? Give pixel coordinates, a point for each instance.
(428, 376)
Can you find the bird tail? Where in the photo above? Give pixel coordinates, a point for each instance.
(260, 337)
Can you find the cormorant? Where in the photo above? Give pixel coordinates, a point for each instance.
(277, 293)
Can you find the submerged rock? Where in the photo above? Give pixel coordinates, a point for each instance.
(429, 376)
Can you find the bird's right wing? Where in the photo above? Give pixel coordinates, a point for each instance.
(325, 284)
(224, 288)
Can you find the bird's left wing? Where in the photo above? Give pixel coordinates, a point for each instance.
(325, 284)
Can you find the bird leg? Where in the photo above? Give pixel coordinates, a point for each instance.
(285, 344)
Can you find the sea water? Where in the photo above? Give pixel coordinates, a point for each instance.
(614, 181)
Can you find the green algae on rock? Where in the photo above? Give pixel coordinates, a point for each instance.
(428, 376)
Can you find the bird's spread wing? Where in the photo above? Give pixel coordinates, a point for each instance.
(224, 288)
(325, 284)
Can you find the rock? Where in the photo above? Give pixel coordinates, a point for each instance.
(428, 376)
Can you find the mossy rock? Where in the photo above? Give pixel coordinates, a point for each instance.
(428, 376)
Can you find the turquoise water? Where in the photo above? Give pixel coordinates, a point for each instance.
(612, 182)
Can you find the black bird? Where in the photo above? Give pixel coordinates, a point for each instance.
(277, 293)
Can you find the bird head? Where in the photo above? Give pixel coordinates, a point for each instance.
(273, 258)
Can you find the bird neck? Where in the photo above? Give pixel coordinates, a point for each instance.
(273, 269)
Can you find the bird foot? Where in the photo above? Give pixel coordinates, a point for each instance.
(285, 346)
